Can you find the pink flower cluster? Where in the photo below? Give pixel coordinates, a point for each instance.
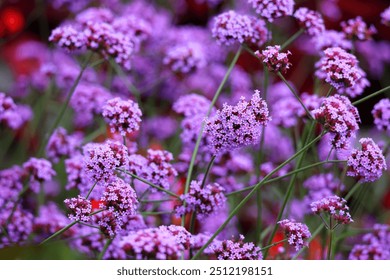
(334, 206)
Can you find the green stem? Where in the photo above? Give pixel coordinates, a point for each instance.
(273, 244)
(207, 171)
(90, 137)
(108, 243)
(330, 232)
(65, 105)
(58, 232)
(289, 190)
(292, 39)
(352, 191)
(280, 75)
(149, 183)
(371, 95)
(90, 190)
(198, 140)
(246, 199)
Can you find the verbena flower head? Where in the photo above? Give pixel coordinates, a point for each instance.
(381, 114)
(237, 126)
(273, 9)
(100, 160)
(275, 60)
(237, 250)
(155, 168)
(385, 16)
(357, 29)
(77, 177)
(340, 117)
(230, 28)
(39, 170)
(338, 68)
(152, 244)
(119, 198)
(323, 181)
(310, 20)
(110, 225)
(296, 233)
(334, 206)
(11, 114)
(204, 201)
(11, 182)
(375, 246)
(191, 104)
(331, 39)
(61, 144)
(50, 220)
(95, 14)
(68, 38)
(16, 230)
(185, 58)
(80, 208)
(182, 236)
(123, 116)
(368, 163)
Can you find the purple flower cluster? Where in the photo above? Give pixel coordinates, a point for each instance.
(331, 39)
(310, 20)
(12, 115)
(237, 250)
(77, 177)
(357, 29)
(11, 184)
(237, 126)
(80, 208)
(123, 116)
(334, 206)
(230, 28)
(62, 145)
(323, 181)
(185, 58)
(275, 60)
(366, 164)
(119, 198)
(155, 167)
(39, 170)
(152, 244)
(101, 159)
(296, 233)
(68, 38)
(50, 220)
(182, 236)
(205, 201)
(375, 246)
(385, 16)
(108, 223)
(338, 68)
(340, 117)
(381, 114)
(18, 228)
(273, 9)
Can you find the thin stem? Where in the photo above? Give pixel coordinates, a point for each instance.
(292, 39)
(96, 212)
(352, 191)
(156, 201)
(149, 183)
(90, 190)
(329, 91)
(108, 243)
(156, 213)
(124, 140)
(289, 190)
(371, 95)
(280, 75)
(65, 105)
(246, 199)
(94, 134)
(273, 244)
(207, 171)
(330, 232)
(58, 232)
(198, 140)
(287, 175)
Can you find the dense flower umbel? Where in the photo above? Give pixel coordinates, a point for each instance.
(273, 9)
(311, 21)
(338, 68)
(230, 28)
(185, 58)
(61, 144)
(340, 117)
(191, 104)
(237, 250)
(376, 245)
(155, 168)
(109, 224)
(331, 39)
(123, 116)
(357, 29)
(204, 201)
(334, 206)
(80, 208)
(119, 198)
(100, 160)
(40, 170)
(366, 164)
(237, 126)
(182, 236)
(152, 244)
(385, 17)
(68, 38)
(11, 114)
(381, 114)
(17, 229)
(296, 233)
(323, 181)
(276, 61)
(77, 177)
